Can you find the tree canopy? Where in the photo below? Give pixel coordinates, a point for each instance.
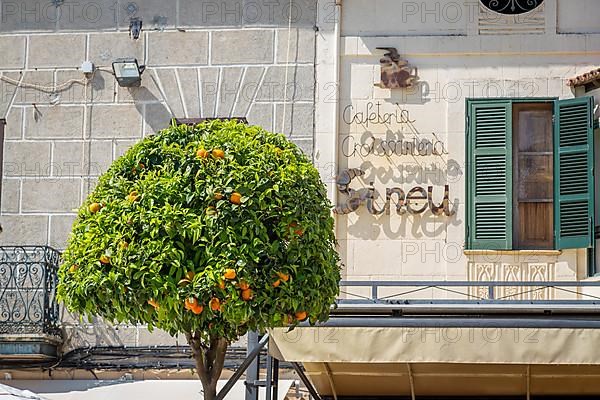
(210, 230)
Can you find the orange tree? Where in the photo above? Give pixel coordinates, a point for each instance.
(209, 231)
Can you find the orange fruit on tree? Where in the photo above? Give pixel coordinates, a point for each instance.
(284, 277)
(215, 304)
(236, 198)
(190, 303)
(277, 283)
(154, 304)
(221, 284)
(197, 309)
(229, 274)
(218, 153)
(287, 319)
(301, 315)
(244, 285)
(297, 231)
(123, 245)
(247, 294)
(73, 268)
(104, 259)
(218, 196)
(94, 207)
(201, 153)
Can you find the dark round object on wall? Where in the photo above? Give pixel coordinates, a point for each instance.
(512, 7)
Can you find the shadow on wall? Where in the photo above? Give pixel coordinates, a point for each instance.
(83, 334)
(364, 225)
(155, 114)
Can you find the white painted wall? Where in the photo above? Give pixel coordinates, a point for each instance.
(455, 60)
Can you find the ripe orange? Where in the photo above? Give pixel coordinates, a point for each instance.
(215, 304)
(123, 245)
(244, 285)
(73, 268)
(236, 198)
(94, 208)
(154, 304)
(190, 303)
(104, 259)
(247, 294)
(301, 315)
(218, 196)
(283, 277)
(277, 283)
(298, 231)
(229, 274)
(202, 153)
(218, 153)
(221, 284)
(197, 309)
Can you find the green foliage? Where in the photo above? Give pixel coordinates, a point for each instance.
(160, 218)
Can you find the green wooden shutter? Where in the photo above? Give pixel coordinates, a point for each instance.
(573, 173)
(490, 175)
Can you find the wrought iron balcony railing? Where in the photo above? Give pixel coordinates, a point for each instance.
(28, 279)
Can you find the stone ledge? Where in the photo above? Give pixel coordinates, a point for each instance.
(29, 347)
(513, 252)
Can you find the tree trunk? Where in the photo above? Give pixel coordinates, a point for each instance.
(209, 358)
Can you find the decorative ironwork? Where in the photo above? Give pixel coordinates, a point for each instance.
(512, 7)
(28, 279)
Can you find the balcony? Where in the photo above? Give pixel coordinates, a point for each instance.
(29, 312)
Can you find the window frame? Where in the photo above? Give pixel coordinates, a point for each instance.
(471, 200)
(469, 195)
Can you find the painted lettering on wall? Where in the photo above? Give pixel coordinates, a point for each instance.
(372, 115)
(387, 148)
(416, 201)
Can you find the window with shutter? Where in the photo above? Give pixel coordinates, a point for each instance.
(511, 190)
(573, 173)
(490, 176)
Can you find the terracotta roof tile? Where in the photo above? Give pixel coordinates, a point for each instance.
(584, 78)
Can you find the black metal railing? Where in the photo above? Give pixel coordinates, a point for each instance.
(28, 279)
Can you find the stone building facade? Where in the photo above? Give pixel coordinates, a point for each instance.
(208, 58)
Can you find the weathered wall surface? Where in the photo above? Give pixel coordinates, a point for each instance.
(461, 51)
(225, 58)
(203, 58)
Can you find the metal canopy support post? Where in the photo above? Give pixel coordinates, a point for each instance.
(269, 379)
(275, 379)
(252, 355)
(411, 381)
(305, 380)
(253, 368)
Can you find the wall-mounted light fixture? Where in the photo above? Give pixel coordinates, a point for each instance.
(128, 72)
